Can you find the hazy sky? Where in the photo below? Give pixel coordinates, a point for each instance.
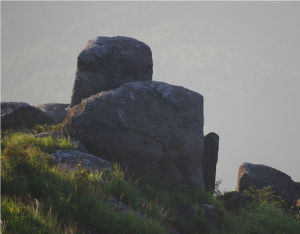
(243, 57)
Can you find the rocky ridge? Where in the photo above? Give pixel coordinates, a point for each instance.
(152, 128)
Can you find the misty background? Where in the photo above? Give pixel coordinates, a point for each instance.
(243, 57)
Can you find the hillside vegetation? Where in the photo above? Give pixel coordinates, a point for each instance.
(39, 196)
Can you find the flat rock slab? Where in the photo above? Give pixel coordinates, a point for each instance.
(70, 160)
(21, 115)
(107, 62)
(152, 128)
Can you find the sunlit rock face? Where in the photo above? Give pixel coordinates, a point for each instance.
(152, 128)
(107, 62)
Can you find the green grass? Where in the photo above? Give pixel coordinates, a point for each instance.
(264, 218)
(30, 218)
(76, 199)
(38, 196)
(38, 128)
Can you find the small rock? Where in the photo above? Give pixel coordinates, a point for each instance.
(123, 208)
(70, 159)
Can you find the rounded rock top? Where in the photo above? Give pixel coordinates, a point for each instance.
(108, 62)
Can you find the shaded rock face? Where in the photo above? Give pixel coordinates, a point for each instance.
(152, 128)
(107, 62)
(210, 159)
(57, 111)
(260, 175)
(70, 160)
(20, 114)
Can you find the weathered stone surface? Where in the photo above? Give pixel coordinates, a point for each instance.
(259, 176)
(107, 62)
(150, 127)
(80, 146)
(210, 159)
(57, 111)
(20, 114)
(70, 160)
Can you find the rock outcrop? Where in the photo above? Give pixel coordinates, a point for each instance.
(150, 127)
(70, 160)
(57, 111)
(257, 175)
(22, 115)
(107, 62)
(210, 159)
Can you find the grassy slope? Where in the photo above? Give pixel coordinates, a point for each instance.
(39, 197)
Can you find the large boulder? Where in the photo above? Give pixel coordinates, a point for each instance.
(107, 62)
(210, 159)
(22, 115)
(259, 176)
(57, 111)
(152, 128)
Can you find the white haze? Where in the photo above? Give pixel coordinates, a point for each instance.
(243, 57)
